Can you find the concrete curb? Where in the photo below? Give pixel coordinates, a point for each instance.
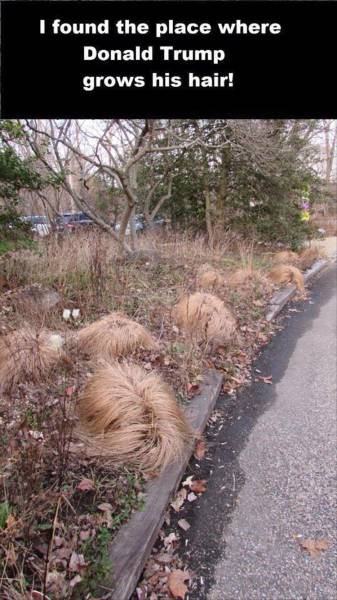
(133, 543)
(280, 299)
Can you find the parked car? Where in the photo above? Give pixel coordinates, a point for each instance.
(139, 225)
(39, 224)
(71, 221)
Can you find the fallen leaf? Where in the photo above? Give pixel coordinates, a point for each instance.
(58, 541)
(176, 583)
(104, 506)
(200, 449)
(36, 595)
(179, 499)
(164, 558)
(56, 584)
(170, 539)
(11, 521)
(191, 497)
(86, 485)
(192, 388)
(77, 562)
(267, 379)
(258, 303)
(70, 390)
(75, 580)
(199, 486)
(188, 480)
(183, 524)
(314, 547)
(85, 535)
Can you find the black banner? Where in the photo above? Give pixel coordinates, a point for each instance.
(168, 59)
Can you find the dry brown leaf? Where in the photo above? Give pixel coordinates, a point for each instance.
(198, 486)
(75, 580)
(192, 389)
(86, 485)
(176, 583)
(77, 562)
(267, 379)
(314, 547)
(164, 558)
(85, 534)
(179, 499)
(200, 449)
(11, 521)
(170, 540)
(36, 595)
(104, 506)
(70, 390)
(183, 524)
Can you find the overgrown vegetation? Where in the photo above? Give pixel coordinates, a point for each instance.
(230, 191)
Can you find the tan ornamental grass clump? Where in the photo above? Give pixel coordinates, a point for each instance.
(208, 277)
(28, 355)
(132, 417)
(287, 274)
(206, 317)
(112, 336)
(248, 278)
(309, 255)
(285, 257)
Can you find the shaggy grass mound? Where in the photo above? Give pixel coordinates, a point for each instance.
(247, 278)
(132, 416)
(27, 354)
(309, 255)
(208, 277)
(285, 257)
(205, 317)
(283, 274)
(112, 336)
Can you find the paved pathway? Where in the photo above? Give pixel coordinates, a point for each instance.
(272, 471)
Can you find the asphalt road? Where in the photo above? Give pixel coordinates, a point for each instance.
(272, 471)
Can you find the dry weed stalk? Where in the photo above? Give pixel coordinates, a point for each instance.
(27, 354)
(208, 277)
(205, 317)
(132, 416)
(112, 336)
(287, 274)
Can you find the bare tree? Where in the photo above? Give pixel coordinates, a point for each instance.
(330, 144)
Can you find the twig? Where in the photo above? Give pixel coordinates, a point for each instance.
(50, 545)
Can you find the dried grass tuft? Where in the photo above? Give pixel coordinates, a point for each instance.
(205, 317)
(27, 354)
(287, 274)
(309, 255)
(112, 336)
(208, 277)
(247, 278)
(286, 257)
(132, 416)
